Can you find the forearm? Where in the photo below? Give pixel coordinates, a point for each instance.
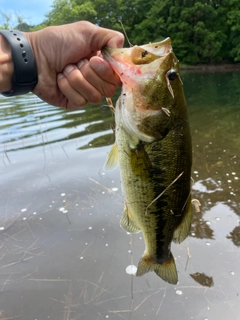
(6, 65)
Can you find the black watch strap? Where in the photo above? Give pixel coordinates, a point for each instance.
(25, 75)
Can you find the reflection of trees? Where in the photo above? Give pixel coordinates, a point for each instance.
(96, 120)
(101, 141)
(23, 119)
(235, 236)
(213, 101)
(202, 279)
(200, 228)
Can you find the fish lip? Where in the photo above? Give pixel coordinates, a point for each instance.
(165, 47)
(160, 49)
(107, 52)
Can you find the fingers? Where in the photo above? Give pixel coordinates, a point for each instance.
(107, 37)
(73, 98)
(87, 82)
(116, 40)
(105, 72)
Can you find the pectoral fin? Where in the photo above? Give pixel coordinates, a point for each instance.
(127, 223)
(112, 158)
(182, 231)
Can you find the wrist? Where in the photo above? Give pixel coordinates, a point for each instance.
(6, 65)
(24, 77)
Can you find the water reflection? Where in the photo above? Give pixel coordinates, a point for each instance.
(203, 279)
(200, 228)
(28, 122)
(214, 108)
(63, 254)
(235, 236)
(213, 101)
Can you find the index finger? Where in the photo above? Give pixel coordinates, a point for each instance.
(116, 42)
(107, 37)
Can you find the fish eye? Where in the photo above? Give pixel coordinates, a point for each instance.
(172, 74)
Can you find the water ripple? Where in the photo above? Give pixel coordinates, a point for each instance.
(27, 122)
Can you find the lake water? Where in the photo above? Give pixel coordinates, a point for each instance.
(63, 254)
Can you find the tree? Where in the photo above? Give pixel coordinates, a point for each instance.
(9, 22)
(67, 11)
(202, 31)
(105, 13)
(196, 28)
(22, 26)
(6, 20)
(233, 22)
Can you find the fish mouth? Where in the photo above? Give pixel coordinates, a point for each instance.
(141, 64)
(138, 55)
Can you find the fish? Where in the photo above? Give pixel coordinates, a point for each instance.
(154, 152)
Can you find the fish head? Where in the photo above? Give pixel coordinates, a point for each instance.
(151, 85)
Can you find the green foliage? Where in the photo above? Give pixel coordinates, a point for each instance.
(8, 22)
(202, 31)
(67, 11)
(5, 21)
(195, 27)
(233, 22)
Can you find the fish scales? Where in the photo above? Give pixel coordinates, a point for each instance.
(146, 174)
(153, 149)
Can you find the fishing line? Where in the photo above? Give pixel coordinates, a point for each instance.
(131, 261)
(131, 246)
(163, 191)
(125, 33)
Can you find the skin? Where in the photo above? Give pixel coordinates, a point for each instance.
(71, 71)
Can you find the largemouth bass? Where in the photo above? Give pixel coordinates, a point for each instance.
(153, 149)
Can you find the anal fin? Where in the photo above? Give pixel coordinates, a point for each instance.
(182, 231)
(127, 223)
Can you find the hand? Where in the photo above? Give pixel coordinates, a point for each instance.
(71, 72)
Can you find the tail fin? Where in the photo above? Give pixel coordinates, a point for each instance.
(166, 270)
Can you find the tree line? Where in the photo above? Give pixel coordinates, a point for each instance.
(202, 31)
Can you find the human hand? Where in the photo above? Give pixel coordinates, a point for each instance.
(71, 72)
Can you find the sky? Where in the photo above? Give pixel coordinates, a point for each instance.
(32, 11)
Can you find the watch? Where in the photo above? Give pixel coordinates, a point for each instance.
(25, 76)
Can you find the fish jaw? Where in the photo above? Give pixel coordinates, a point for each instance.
(138, 55)
(130, 63)
(147, 91)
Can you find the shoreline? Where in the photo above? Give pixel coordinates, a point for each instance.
(211, 67)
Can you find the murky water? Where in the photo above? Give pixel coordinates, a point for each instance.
(63, 254)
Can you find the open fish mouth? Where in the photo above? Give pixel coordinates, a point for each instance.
(139, 54)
